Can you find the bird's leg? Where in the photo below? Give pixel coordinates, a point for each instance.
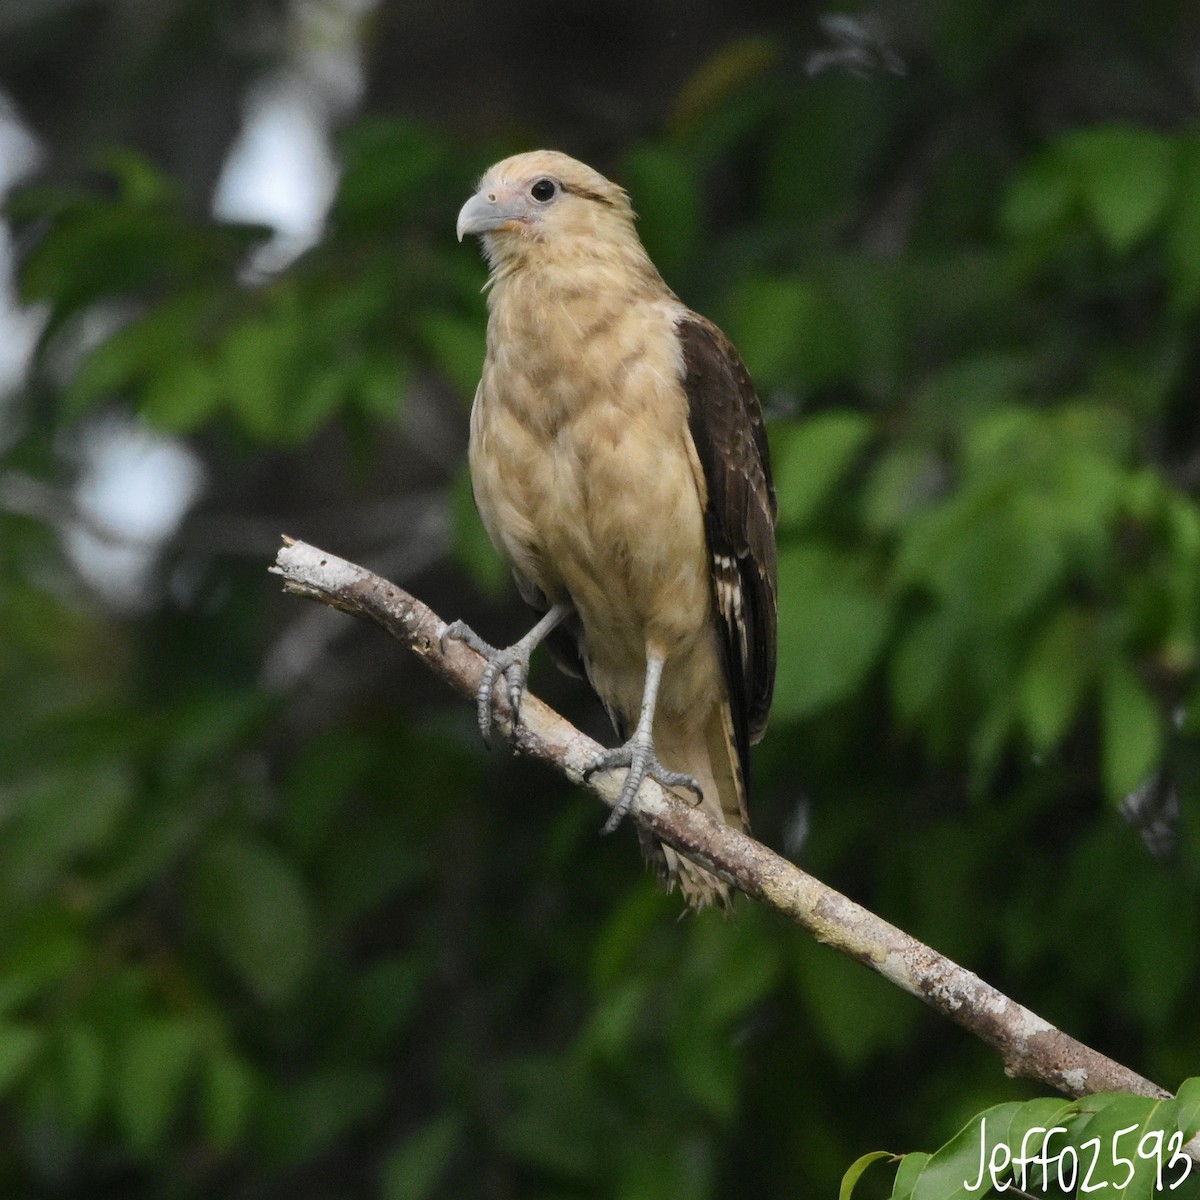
(638, 753)
(512, 662)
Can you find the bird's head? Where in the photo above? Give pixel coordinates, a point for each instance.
(544, 199)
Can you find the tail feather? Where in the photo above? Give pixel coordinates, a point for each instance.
(708, 752)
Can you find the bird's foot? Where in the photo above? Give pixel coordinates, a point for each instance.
(638, 755)
(512, 663)
(460, 631)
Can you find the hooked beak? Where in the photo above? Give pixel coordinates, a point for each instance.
(486, 211)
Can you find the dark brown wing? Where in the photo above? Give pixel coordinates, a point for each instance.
(726, 424)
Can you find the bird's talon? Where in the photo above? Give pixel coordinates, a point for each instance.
(460, 631)
(483, 710)
(455, 631)
(510, 666)
(512, 663)
(516, 689)
(642, 762)
(617, 815)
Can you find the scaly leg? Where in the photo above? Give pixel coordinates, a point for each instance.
(511, 662)
(638, 753)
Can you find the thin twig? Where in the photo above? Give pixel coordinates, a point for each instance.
(1030, 1047)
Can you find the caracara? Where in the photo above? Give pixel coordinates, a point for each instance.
(619, 463)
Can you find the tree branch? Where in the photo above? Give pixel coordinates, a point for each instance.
(1029, 1047)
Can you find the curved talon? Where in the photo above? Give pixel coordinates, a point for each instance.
(638, 755)
(498, 662)
(460, 631)
(514, 668)
(512, 663)
(516, 689)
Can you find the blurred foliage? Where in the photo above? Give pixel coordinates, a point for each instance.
(316, 943)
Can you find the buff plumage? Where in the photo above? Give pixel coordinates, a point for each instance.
(619, 464)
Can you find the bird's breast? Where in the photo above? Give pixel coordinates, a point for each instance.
(586, 479)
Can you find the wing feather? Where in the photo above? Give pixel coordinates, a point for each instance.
(726, 424)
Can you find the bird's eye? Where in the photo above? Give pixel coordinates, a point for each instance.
(543, 190)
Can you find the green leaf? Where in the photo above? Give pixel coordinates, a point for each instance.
(152, 1070)
(1158, 968)
(52, 828)
(922, 665)
(1125, 175)
(385, 997)
(414, 1168)
(1183, 228)
(1027, 1131)
(302, 1118)
(472, 546)
(832, 625)
(1188, 1095)
(824, 147)
(457, 346)
(907, 1174)
(553, 1119)
(986, 384)
(388, 165)
(906, 480)
(855, 1013)
(614, 1018)
(666, 193)
(995, 726)
(1039, 199)
(381, 383)
(810, 457)
(662, 1168)
(621, 937)
(857, 1169)
(707, 1064)
(253, 907)
(160, 341)
(1119, 1122)
(146, 848)
(727, 975)
(83, 1071)
(789, 332)
(949, 1172)
(180, 398)
(991, 556)
(141, 182)
(19, 1045)
(1054, 677)
(321, 776)
(257, 361)
(37, 957)
(102, 250)
(1131, 728)
(1047, 1124)
(226, 1098)
(211, 724)
(318, 396)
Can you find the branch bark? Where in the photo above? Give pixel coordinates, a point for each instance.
(1030, 1047)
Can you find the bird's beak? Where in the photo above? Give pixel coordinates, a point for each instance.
(486, 211)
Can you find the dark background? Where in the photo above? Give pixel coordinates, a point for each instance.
(272, 922)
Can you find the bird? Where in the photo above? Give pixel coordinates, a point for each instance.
(619, 462)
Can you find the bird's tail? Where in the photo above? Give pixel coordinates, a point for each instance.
(709, 752)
